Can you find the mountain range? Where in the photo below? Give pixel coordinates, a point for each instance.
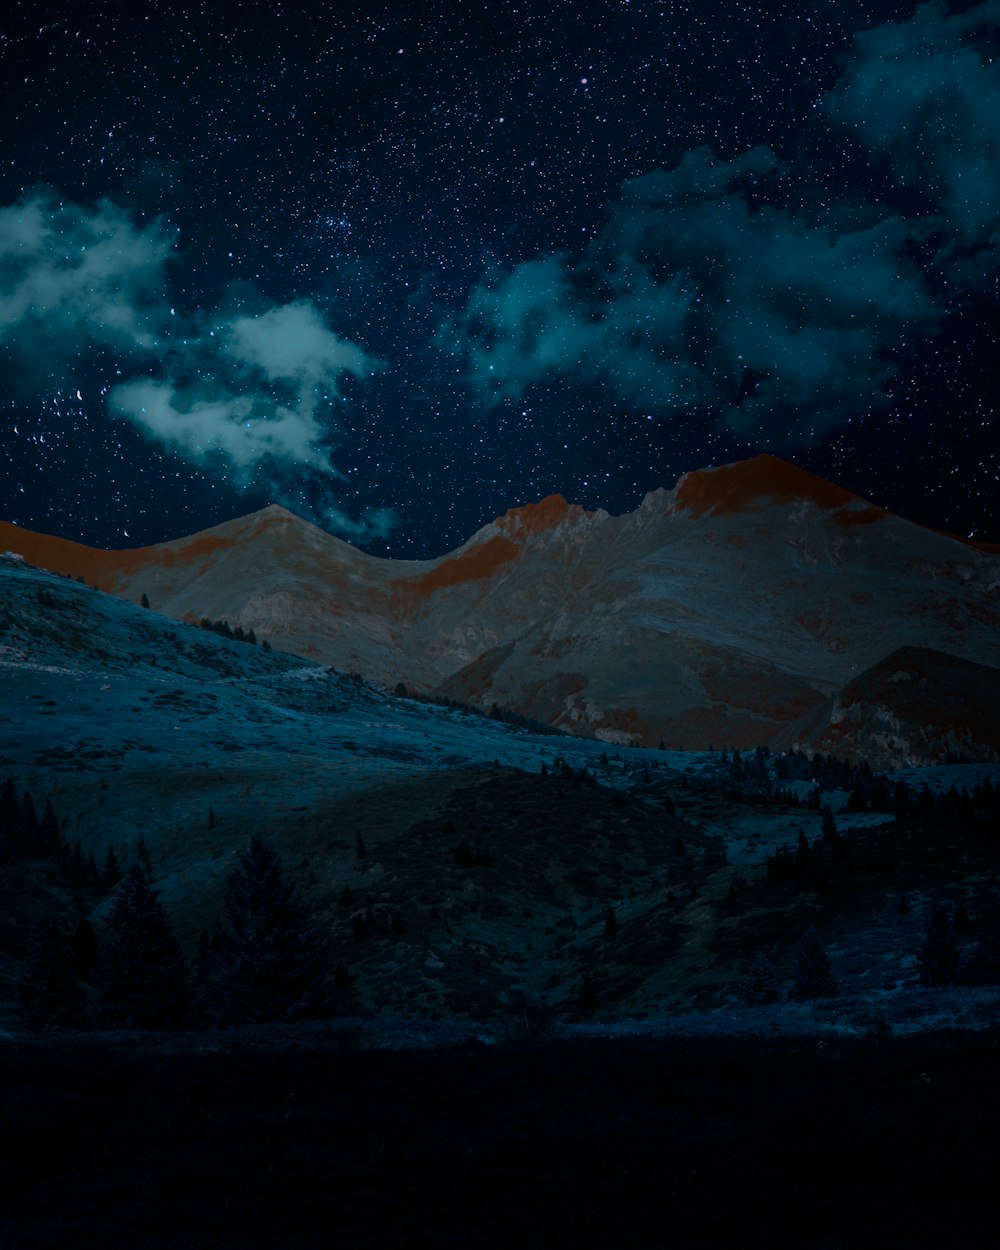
(753, 603)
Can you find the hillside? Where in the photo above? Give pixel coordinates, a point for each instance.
(464, 869)
(727, 611)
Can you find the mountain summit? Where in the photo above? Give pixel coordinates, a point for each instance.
(729, 610)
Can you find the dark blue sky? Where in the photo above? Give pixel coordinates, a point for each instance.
(402, 266)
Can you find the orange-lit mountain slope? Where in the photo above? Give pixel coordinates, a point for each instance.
(723, 611)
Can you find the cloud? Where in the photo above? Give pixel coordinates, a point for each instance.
(374, 523)
(250, 394)
(230, 426)
(291, 343)
(72, 279)
(703, 292)
(249, 390)
(924, 94)
(739, 290)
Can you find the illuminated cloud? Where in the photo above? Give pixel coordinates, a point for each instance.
(735, 290)
(229, 427)
(247, 391)
(251, 395)
(701, 293)
(72, 279)
(925, 95)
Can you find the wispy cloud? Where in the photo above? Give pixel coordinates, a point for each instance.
(249, 389)
(252, 394)
(925, 95)
(72, 279)
(737, 289)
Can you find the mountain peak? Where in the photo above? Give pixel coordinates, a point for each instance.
(749, 485)
(535, 518)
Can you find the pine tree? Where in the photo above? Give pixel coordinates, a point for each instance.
(760, 985)
(31, 828)
(10, 822)
(586, 995)
(270, 963)
(84, 949)
(813, 974)
(938, 958)
(111, 873)
(141, 974)
(50, 840)
(50, 990)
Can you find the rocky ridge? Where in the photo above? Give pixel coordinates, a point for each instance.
(732, 609)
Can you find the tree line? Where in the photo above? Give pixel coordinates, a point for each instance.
(266, 958)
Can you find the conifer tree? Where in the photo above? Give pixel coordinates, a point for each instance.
(111, 873)
(10, 823)
(813, 974)
(586, 996)
(938, 958)
(84, 949)
(52, 839)
(31, 827)
(141, 976)
(760, 985)
(270, 962)
(50, 990)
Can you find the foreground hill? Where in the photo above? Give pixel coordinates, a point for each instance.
(729, 610)
(463, 869)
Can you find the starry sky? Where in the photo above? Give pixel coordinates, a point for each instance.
(402, 266)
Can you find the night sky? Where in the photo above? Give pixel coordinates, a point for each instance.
(401, 266)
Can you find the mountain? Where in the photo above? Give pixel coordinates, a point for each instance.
(728, 610)
(914, 704)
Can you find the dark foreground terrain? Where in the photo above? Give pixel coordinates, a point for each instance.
(240, 1143)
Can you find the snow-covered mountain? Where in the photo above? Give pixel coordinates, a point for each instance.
(733, 609)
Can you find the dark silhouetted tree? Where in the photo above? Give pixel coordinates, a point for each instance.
(49, 988)
(270, 962)
(31, 827)
(10, 822)
(938, 957)
(51, 843)
(84, 948)
(760, 985)
(586, 997)
(813, 974)
(141, 976)
(111, 873)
